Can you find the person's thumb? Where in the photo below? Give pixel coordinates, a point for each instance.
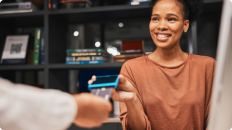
(122, 79)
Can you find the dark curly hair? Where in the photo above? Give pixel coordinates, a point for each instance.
(191, 8)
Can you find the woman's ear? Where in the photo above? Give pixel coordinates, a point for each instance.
(186, 25)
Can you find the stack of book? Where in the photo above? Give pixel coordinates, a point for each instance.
(68, 4)
(86, 56)
(130, 50)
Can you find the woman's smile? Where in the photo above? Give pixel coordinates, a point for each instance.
(162, 37)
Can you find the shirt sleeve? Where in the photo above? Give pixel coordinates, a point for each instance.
(24, 107)
(127, 72)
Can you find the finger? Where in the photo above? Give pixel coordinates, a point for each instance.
(122, 79)
(114, 95)
(93, 78)
(90, 81)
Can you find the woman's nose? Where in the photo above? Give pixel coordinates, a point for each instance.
(162, 25)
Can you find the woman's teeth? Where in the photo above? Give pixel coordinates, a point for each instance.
(163, 35)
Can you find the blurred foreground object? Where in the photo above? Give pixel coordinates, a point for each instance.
(221, 109)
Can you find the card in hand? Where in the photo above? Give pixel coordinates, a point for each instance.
(104, 92)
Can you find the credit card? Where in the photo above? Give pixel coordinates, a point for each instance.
(104, 92)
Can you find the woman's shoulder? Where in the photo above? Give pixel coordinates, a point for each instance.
(202, 59)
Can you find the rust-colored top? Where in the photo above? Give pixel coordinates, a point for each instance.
(172, 98)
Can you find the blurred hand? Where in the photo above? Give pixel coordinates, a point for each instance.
(92, 110)
(124, 91)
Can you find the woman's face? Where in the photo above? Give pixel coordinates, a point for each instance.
(167, 23)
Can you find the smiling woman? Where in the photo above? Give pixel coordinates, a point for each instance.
(168, 89)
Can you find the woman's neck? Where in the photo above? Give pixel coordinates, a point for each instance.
(168, 57)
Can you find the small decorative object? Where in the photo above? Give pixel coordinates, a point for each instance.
(15, 49)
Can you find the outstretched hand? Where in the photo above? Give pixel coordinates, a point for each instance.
(92, 110)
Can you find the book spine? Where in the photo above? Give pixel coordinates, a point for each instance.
(84, 54)
(49, 4)
(37, 46)
(128, 56)
(73, 5)
(55, 4)
(121, 60)
(83, 50)
(84, 58)
(138, 3)
(84, 62)
(42, 47)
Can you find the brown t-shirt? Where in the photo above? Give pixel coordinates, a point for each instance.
(172, 98)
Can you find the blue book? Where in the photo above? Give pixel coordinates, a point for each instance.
(42, 46)
(84, 58)
(138, 3)
(84, 62)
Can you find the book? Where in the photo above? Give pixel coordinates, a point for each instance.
(138, 2)
(84, 62)
(127, 56)
(132, 46)
(72, 1)
(131, 52)
(49, 4)
(15, 49)
(83, 50)
(85, 54)
(122, 60)
(37, 45)
(84, 58)
(42, 46)
(74, 5)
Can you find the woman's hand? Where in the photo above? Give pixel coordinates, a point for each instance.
(124, 91)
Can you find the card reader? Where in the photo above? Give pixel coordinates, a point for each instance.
(104, 85)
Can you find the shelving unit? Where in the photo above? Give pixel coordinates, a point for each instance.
(55, 23)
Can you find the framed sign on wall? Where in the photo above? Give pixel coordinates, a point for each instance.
(15, 49)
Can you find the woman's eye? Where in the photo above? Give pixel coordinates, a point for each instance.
(171, 19)
(155, 19)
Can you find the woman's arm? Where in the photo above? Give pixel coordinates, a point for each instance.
(132, 113)
(135, 116)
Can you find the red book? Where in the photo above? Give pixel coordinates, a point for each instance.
(132, 45)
